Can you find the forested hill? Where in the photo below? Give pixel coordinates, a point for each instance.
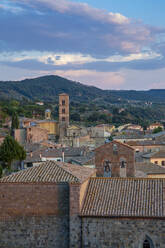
(48, 88)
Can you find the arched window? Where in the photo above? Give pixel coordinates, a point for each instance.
(115, 149)
(123, 165)
(148, 243)
(107, 168)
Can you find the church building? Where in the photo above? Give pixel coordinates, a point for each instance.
(62, 205)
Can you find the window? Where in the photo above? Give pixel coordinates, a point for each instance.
(123, 164)
(146, 244)
(63, 102)
(63, 118)
(63, 111)
(107, 168)
(115, 149)
(163, 163)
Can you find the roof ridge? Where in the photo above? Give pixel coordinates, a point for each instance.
(126, 178)
(66, 170)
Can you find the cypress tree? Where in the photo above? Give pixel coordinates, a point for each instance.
(14, 123)
(11, 150)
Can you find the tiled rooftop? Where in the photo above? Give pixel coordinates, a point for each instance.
(149, 168)
(145, 143)
(119, 197)
(160, 154)
(51, 171)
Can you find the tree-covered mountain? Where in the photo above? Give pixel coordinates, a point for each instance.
(48, 87)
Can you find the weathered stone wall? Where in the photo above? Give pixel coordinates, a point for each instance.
(34, 215)
(122, 233)
(75, 220)
(35, 232)
(77, 194)
(36, 134)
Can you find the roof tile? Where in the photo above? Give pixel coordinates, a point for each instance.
(124, 197)
(51, 171)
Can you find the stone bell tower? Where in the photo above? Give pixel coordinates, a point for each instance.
(63, 114)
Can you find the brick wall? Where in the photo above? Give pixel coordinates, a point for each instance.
(122, 233)
(34, 215)
(106, 152)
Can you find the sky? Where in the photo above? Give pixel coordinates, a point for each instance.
(110, 44)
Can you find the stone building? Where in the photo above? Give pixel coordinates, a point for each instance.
(63, 205)
(115, 159)
(50, 125)
(31, 134)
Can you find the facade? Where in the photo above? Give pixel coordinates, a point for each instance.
(134, 127)
(31, 134)
(115, 159)
(50, 125)
(147, 146)
(73, 131)
(158, 158)
(155, 125)
(36, 134)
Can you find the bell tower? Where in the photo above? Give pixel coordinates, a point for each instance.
(63, 113)
(47, 114)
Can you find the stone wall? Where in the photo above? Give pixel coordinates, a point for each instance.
(122, 233)
(77, 194)
(36, 134)
(35, 232)
(34, 215)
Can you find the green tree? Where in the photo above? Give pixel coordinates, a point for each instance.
(157, 130)
(14, 123)
(11, 150)
(1, 171)
(75, 117)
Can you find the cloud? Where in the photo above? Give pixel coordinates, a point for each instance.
(61, 59)
(78, 41)
(81, 28)
(104, 80)
(81, 9)
(11, 8)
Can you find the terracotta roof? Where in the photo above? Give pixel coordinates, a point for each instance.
(149, 168)
(145, 143)
(51, 171)
(125, 197)
(160, 154)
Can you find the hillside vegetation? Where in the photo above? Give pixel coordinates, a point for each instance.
(48, 87)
